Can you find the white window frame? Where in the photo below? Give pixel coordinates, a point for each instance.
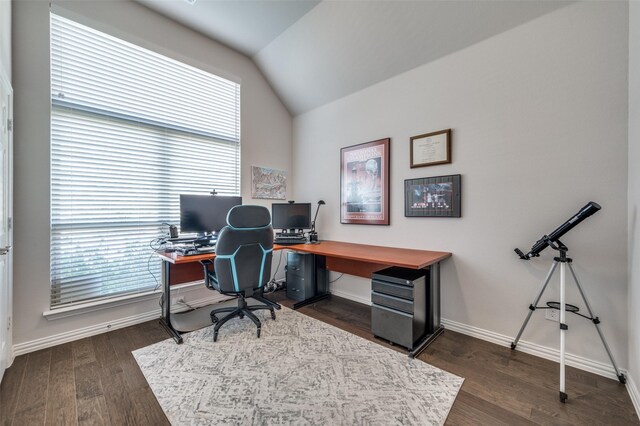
(84, 93)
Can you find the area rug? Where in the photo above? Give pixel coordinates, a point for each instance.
(300, 371)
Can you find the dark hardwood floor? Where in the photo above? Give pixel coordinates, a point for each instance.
(97, 381)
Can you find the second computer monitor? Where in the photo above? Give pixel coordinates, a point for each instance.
(291, 215)
(205, 214)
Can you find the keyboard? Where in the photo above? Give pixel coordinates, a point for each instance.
(192, 251)
(290, 239)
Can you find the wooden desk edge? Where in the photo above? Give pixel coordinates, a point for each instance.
(176, 258)
(317, 249)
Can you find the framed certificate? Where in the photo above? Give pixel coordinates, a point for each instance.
(431, 149)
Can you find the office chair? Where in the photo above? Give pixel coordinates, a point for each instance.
(242, 265)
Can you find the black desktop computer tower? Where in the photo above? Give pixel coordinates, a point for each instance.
(306, 275)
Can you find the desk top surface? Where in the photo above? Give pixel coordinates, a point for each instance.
(392, 256)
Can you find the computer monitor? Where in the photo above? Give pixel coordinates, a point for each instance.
(204, 214)
(291, 215)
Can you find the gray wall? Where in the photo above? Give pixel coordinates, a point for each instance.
(266, 137)
(5, 37)
(539, 118)
(634, 192)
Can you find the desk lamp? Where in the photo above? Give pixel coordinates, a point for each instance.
(313, 235)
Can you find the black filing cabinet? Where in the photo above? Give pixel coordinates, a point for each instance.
(300, 276)
(400, 303)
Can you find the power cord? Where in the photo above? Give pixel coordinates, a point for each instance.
(333, 281)
(160, 243)
(155, 245)
(272, 285)
(182, 302)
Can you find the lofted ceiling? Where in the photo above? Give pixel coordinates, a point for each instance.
(314, 52)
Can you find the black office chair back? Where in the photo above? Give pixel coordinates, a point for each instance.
(244, 250)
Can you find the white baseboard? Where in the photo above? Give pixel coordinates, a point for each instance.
(81, 333)
(350, 296)
(633, 393)
(592, 366)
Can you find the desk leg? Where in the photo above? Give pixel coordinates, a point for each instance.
(165, 319)
(425, 341)
(433, 322)
(311, 300)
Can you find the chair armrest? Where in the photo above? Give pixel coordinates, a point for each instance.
(210, 278)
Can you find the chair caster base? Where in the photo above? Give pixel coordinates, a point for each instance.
(258, 333)
(273, 314)
(215, 336)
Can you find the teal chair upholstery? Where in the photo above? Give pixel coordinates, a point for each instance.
(242, 265)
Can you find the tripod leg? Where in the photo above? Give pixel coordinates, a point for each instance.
(563, 329)
(532, 307)
(596, 322)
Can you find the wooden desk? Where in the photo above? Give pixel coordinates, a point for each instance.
(349, 258)
(363, 260)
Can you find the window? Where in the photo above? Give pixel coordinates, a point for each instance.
(130, 131)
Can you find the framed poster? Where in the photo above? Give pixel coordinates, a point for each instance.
(438, 196)
(364, 183)
(431, 149)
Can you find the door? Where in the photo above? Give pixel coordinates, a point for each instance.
(6, 163)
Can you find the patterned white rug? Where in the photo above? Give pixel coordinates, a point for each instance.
(300, 371)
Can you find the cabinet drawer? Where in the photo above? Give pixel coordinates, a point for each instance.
(392, 302)
(392, 325)
(403, 291)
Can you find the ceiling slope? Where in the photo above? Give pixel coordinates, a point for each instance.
(313, 52)
(340, 47)
(244, 25)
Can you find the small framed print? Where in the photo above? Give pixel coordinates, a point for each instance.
(438, 196)
(431, 149)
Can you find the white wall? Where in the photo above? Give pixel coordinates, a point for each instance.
(5, 37)
(266, 137)
(539, 119)
(634, 192)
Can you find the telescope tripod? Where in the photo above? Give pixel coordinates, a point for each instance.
(565, 262)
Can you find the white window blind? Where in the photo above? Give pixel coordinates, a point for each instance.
(130, 131)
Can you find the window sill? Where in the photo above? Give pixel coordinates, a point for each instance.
(69, 311)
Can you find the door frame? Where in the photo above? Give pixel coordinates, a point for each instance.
(4, 79)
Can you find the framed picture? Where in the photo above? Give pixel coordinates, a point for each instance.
(364, 183)
(268, 183)
(438, 196)
(431, 149)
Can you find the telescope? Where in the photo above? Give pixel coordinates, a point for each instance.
(544, 242)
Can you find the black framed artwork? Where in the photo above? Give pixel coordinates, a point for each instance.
(438, 196)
